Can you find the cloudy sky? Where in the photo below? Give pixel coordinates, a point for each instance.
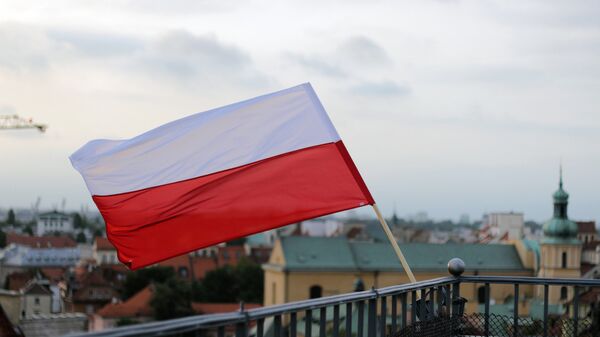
(446, 106)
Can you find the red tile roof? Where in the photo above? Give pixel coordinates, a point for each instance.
(103, 244)
(139, 306)
(41, 241)
(586, 227)
(136, 306)
(18, 280)
(54, 274)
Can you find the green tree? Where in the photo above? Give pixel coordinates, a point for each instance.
(171, 299)
(28, 230)
(139, 279)
(81, 238)
(78, 221)
(98, 233)
(243, 282)
(10, 218)
(218, 285)
(250, 278)
(2, 239)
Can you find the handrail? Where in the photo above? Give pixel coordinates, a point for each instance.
(530, 280)
(207, 321)
(240, 318)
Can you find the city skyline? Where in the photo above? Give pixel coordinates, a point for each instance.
(446, 106)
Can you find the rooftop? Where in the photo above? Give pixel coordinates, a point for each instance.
(342, 254)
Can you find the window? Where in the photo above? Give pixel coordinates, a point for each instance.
(315, 291)
(564, 260)
(563, 293)
(36, 301)
(273, 292)
(183, 272)
(481, 295)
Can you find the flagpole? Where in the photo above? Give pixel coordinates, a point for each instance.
(392, 240)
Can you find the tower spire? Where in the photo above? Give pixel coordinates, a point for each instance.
(560, 182)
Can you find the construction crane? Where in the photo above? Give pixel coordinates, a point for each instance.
(15, 122)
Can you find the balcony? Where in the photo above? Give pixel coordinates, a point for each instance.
(549, 307)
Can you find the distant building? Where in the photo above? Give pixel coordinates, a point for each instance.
(138, 309)
(10, 301)
(51, 222)
(586, 231)
(93, 292)
(104, 252)
(502, 226)
(37, 299)
(50, 241)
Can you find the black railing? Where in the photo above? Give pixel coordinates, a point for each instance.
(426, 308)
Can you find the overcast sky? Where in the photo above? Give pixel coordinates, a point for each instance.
(446, 106)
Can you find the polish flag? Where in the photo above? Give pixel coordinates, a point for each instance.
(220, 175)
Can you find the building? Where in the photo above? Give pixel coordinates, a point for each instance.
(138, 309)
(502, 226)
(49, 241)
(52, 222)
(586, 231)
(309, 267)
(37, 299)
(560, 247)
(19, 258)
(11, 301)
(104, 252)
(93, 292)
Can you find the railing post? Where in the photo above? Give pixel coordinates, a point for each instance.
(456, 267)
(546, 310)
(348, 320)
(487, 310)
(576, 310)
(383, 316)
(516, 312)
(372, 319)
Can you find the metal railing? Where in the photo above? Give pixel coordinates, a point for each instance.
(401, 310)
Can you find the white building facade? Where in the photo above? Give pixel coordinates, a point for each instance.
(52, 222)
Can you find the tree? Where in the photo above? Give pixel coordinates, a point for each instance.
(218, 285)
(171, 299)
(250, 278)
(10, 218)
(243, 282)
(98, 233)
(139, 279)
(78, 221)
(81, 238)
(2, 239)
(28, 230)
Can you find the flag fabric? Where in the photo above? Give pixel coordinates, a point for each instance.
(220, 175)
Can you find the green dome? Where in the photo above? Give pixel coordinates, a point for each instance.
(560, 228)
(560, 196)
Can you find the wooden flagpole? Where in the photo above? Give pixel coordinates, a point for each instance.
(392, 240)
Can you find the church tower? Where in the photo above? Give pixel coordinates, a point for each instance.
(560, 248)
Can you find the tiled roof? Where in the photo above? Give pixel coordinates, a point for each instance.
(18, 280)
(202, 308)
(103, 244)
(317, 253)
(136, 306)
(40, 241)
(53, 274)
(586, 227)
